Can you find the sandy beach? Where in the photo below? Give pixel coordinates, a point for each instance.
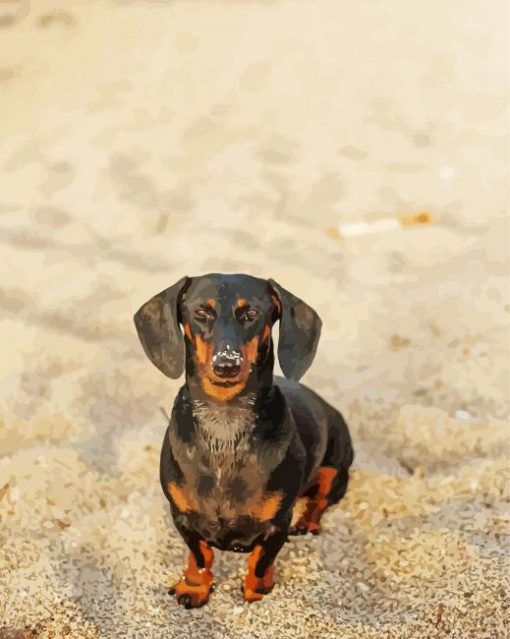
(144, 141)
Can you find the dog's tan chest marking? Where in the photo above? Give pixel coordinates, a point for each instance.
(223, 476)
(182, 497)
(267, 507)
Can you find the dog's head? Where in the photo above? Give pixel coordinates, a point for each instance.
(227, 322)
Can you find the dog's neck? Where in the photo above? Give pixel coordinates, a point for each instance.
(225, 427)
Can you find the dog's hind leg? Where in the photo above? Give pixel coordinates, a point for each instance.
(329, 487)
(331, 479)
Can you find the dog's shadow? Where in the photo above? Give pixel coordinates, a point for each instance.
(117, 603)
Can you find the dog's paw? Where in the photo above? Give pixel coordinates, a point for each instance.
(251, 595)
(255, 588)
(303, 527)
(191, 595)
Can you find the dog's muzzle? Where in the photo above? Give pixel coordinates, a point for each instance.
(227, 362)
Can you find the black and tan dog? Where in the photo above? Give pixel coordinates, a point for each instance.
(240, 449)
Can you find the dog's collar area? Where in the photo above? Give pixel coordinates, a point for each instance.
(246, 402)
(224, 428)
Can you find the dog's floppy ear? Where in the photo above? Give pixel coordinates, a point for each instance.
(157, 323)
(300, 329)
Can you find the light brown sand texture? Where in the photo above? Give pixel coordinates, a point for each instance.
(144, 141)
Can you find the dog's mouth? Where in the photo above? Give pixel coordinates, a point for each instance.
(225, 383)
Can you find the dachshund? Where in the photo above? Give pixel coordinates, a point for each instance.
(242, 447)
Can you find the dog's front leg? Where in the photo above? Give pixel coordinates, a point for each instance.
(259, 580)
(196, 583)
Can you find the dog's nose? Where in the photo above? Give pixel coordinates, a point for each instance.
(226, 368)
(227, 362)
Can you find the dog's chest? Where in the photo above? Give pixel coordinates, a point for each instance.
(221, 467)
(224, 430)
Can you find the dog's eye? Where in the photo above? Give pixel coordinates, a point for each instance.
(248, 315)
(202, 315)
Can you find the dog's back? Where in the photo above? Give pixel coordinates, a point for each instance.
(321, 427)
